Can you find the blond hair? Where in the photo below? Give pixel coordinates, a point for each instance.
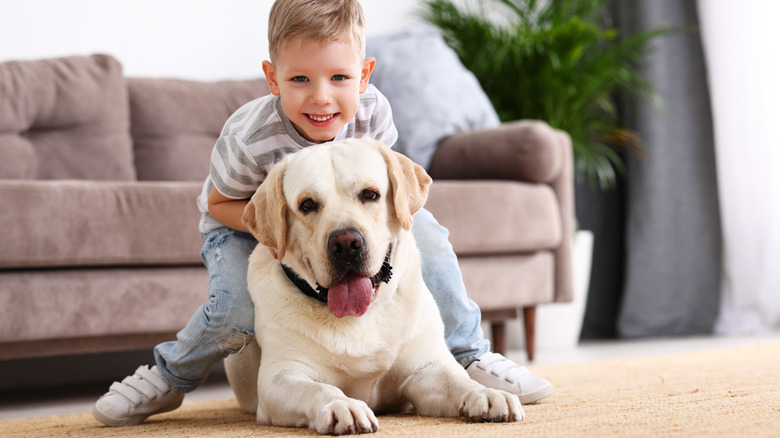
(326, 21)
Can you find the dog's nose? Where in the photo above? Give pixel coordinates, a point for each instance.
(346, 244)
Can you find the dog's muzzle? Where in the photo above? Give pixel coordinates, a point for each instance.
(321, 294)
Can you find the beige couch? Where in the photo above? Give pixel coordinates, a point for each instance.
(98, 179)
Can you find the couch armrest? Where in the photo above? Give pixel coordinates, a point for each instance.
(526, 150)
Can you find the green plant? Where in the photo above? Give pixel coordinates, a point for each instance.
(552, 60)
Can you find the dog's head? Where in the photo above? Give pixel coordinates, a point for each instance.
(332, 213)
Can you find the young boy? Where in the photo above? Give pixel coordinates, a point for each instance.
(319, 82)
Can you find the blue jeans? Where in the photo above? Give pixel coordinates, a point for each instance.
(225, 324)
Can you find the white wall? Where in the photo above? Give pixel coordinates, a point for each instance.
(194, 39)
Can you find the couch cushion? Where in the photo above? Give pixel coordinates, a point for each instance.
(175, 123)
(65, 118)
(59, 304)
(496, 217)
(432, 94)
(92, 223)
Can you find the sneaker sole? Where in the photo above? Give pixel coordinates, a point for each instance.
(113, 422)
(536, 396)
(129, 421)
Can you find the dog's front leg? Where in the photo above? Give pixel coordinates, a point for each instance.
(291, 398)
(445, 389)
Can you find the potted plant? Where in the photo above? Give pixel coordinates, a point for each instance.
(553, 60)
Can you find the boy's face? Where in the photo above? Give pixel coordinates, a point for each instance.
(319, 85)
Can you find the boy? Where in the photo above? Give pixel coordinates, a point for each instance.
(319, 81)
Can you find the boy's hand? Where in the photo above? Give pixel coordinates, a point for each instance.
(227, 211)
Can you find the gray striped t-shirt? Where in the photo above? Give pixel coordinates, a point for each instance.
(258, 135)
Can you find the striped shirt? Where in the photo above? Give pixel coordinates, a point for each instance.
(258, 135)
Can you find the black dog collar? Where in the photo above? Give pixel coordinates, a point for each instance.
(321, 293)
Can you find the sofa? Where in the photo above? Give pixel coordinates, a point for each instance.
(98, 179)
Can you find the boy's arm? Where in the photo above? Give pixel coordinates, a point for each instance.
(226, 210)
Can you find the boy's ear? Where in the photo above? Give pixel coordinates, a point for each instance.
(365, 73)
(270, 77)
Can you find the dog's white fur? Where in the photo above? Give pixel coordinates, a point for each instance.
(331, 374)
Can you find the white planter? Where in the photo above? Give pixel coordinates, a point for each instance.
(559, 325)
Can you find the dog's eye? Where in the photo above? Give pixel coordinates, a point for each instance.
(308, 206)
(369, 196)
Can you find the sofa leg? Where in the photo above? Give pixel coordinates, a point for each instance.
(497, 320)
(498, 328)
(529, 320)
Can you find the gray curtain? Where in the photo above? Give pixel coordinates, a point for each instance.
(672, 233)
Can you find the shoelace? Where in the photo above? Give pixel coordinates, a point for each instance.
(144, 383)
(502, 367)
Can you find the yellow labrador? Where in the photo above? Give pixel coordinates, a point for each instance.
(344, 324)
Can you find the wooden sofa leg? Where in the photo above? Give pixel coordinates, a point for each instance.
(497, 319)
(498, 328)
(529, 320)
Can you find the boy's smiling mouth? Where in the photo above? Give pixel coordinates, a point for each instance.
(321, 118)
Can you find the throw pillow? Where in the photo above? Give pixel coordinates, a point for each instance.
(432, 94)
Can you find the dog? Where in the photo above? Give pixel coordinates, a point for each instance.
(344, 324)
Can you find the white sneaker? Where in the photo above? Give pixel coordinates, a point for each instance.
(495, 371)
(138, 396)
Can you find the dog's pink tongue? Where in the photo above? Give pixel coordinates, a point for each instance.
(351, 296)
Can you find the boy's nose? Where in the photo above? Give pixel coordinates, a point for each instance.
(321, 95)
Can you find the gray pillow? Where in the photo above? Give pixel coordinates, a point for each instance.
(432, 94)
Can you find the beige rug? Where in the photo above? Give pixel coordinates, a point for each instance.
(733, 393)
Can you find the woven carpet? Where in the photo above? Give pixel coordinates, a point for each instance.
(731, 392)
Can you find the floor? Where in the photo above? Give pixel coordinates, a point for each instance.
(55, 401)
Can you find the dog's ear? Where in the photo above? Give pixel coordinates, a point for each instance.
(410, 184)
(265, 215)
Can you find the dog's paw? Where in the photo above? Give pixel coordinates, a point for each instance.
(491, 405)
(348, 416)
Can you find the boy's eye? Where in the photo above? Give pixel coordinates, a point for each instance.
(338, 78)
(300, 79)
